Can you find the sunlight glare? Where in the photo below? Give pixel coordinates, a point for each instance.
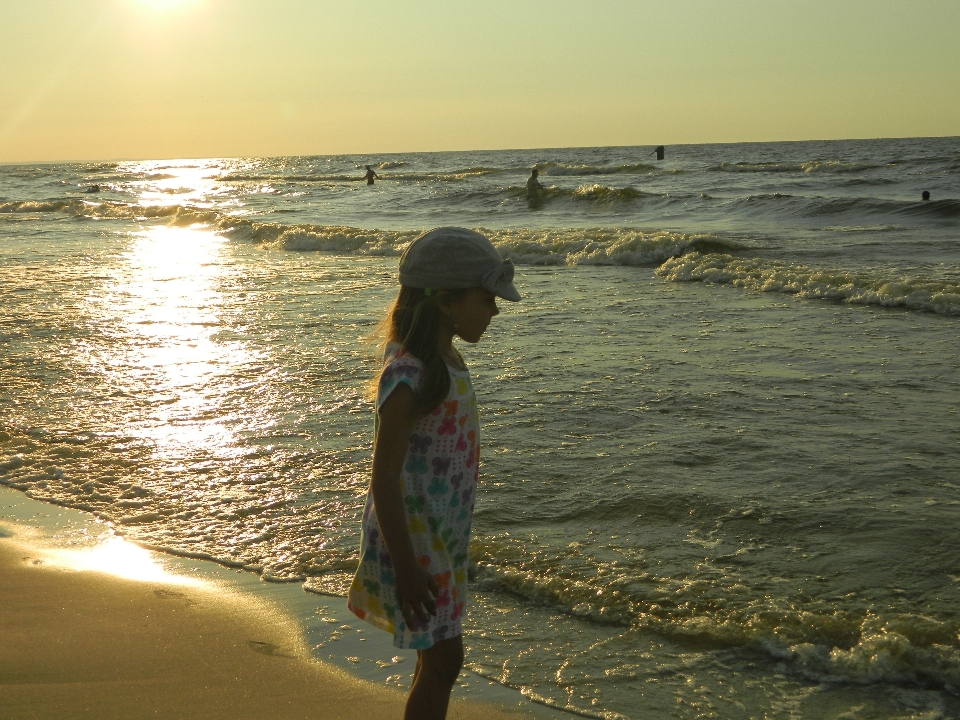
(115, 556)
(166, 303)
(162, 5)
(176, 182)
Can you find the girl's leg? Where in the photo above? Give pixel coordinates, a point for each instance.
(416, 670)
(439, 667)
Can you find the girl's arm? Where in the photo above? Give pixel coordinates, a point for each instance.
(416, 588)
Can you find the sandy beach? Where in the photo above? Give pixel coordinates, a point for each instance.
(85, 644)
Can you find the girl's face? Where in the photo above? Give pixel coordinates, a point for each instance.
(471, 312)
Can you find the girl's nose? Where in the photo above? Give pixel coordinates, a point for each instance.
(496, 310)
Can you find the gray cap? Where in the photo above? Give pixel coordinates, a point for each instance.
(450, 258)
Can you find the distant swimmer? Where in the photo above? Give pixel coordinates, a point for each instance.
(370, 176)
(92, 189)
(534, 186)
(926, 195)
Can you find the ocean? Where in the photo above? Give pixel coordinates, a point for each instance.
(721, 442)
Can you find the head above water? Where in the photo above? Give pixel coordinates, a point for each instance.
(534, 172)
(926, 195)
(452, 258)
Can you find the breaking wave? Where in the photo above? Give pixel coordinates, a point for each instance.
(821, 642)
(562, 246)
(913, 293)
(328, 238)
(812, 166)
(595, 194)
(600, 246)
(567, 246)
(602, 192)
(175, 214)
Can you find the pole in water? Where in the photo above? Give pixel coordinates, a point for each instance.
(659, 152)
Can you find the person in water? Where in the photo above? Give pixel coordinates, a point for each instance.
(534, 186)
(925, 195)
(370, 176)
(412, 577)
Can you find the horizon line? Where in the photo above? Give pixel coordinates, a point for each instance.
(430, 152)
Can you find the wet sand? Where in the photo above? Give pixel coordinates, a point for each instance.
(85, 644)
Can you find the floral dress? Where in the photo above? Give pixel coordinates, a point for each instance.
(438, 483)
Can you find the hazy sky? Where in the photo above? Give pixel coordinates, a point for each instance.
(104, 79)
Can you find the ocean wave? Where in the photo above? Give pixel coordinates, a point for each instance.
(811, 166)
(905, 649)
(174, 214)
(551, 168)
(459, 174)
(545, 168)
(945, 209)
(913, 293)
(35, 206)
(602, 192)
(824, 643)
(596, 194)
(763, 198)
(817, 207)
(277, 177)
(862, 228)
(562, 246)
(868, 181)
(599, 246)
(525, 246)
(328, 238)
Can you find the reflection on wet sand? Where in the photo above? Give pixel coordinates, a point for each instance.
(115, 556)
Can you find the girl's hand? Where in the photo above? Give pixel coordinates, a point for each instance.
(416, 595)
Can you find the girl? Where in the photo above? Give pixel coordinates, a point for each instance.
(416, 523)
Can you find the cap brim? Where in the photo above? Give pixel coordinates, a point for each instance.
(507, 291)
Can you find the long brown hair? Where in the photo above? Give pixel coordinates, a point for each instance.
(412, 322)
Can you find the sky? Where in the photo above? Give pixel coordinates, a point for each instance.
(138, 79)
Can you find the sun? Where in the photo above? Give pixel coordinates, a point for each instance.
(165, 4)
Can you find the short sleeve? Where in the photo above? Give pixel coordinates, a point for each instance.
(398, 368)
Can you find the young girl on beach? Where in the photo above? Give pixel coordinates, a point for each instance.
(416, 522)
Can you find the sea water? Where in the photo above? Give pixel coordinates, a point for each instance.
(720, 433)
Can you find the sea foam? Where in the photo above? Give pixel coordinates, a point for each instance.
(914, 293)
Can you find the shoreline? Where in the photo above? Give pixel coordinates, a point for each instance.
(98, 627)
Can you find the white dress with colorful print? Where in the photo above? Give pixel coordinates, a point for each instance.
(438, 482)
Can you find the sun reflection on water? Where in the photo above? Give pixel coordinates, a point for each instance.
(165, 310)
(177, 182)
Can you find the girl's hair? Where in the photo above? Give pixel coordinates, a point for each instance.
(412, 322)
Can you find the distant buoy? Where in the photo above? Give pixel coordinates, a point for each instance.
(659, 152)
